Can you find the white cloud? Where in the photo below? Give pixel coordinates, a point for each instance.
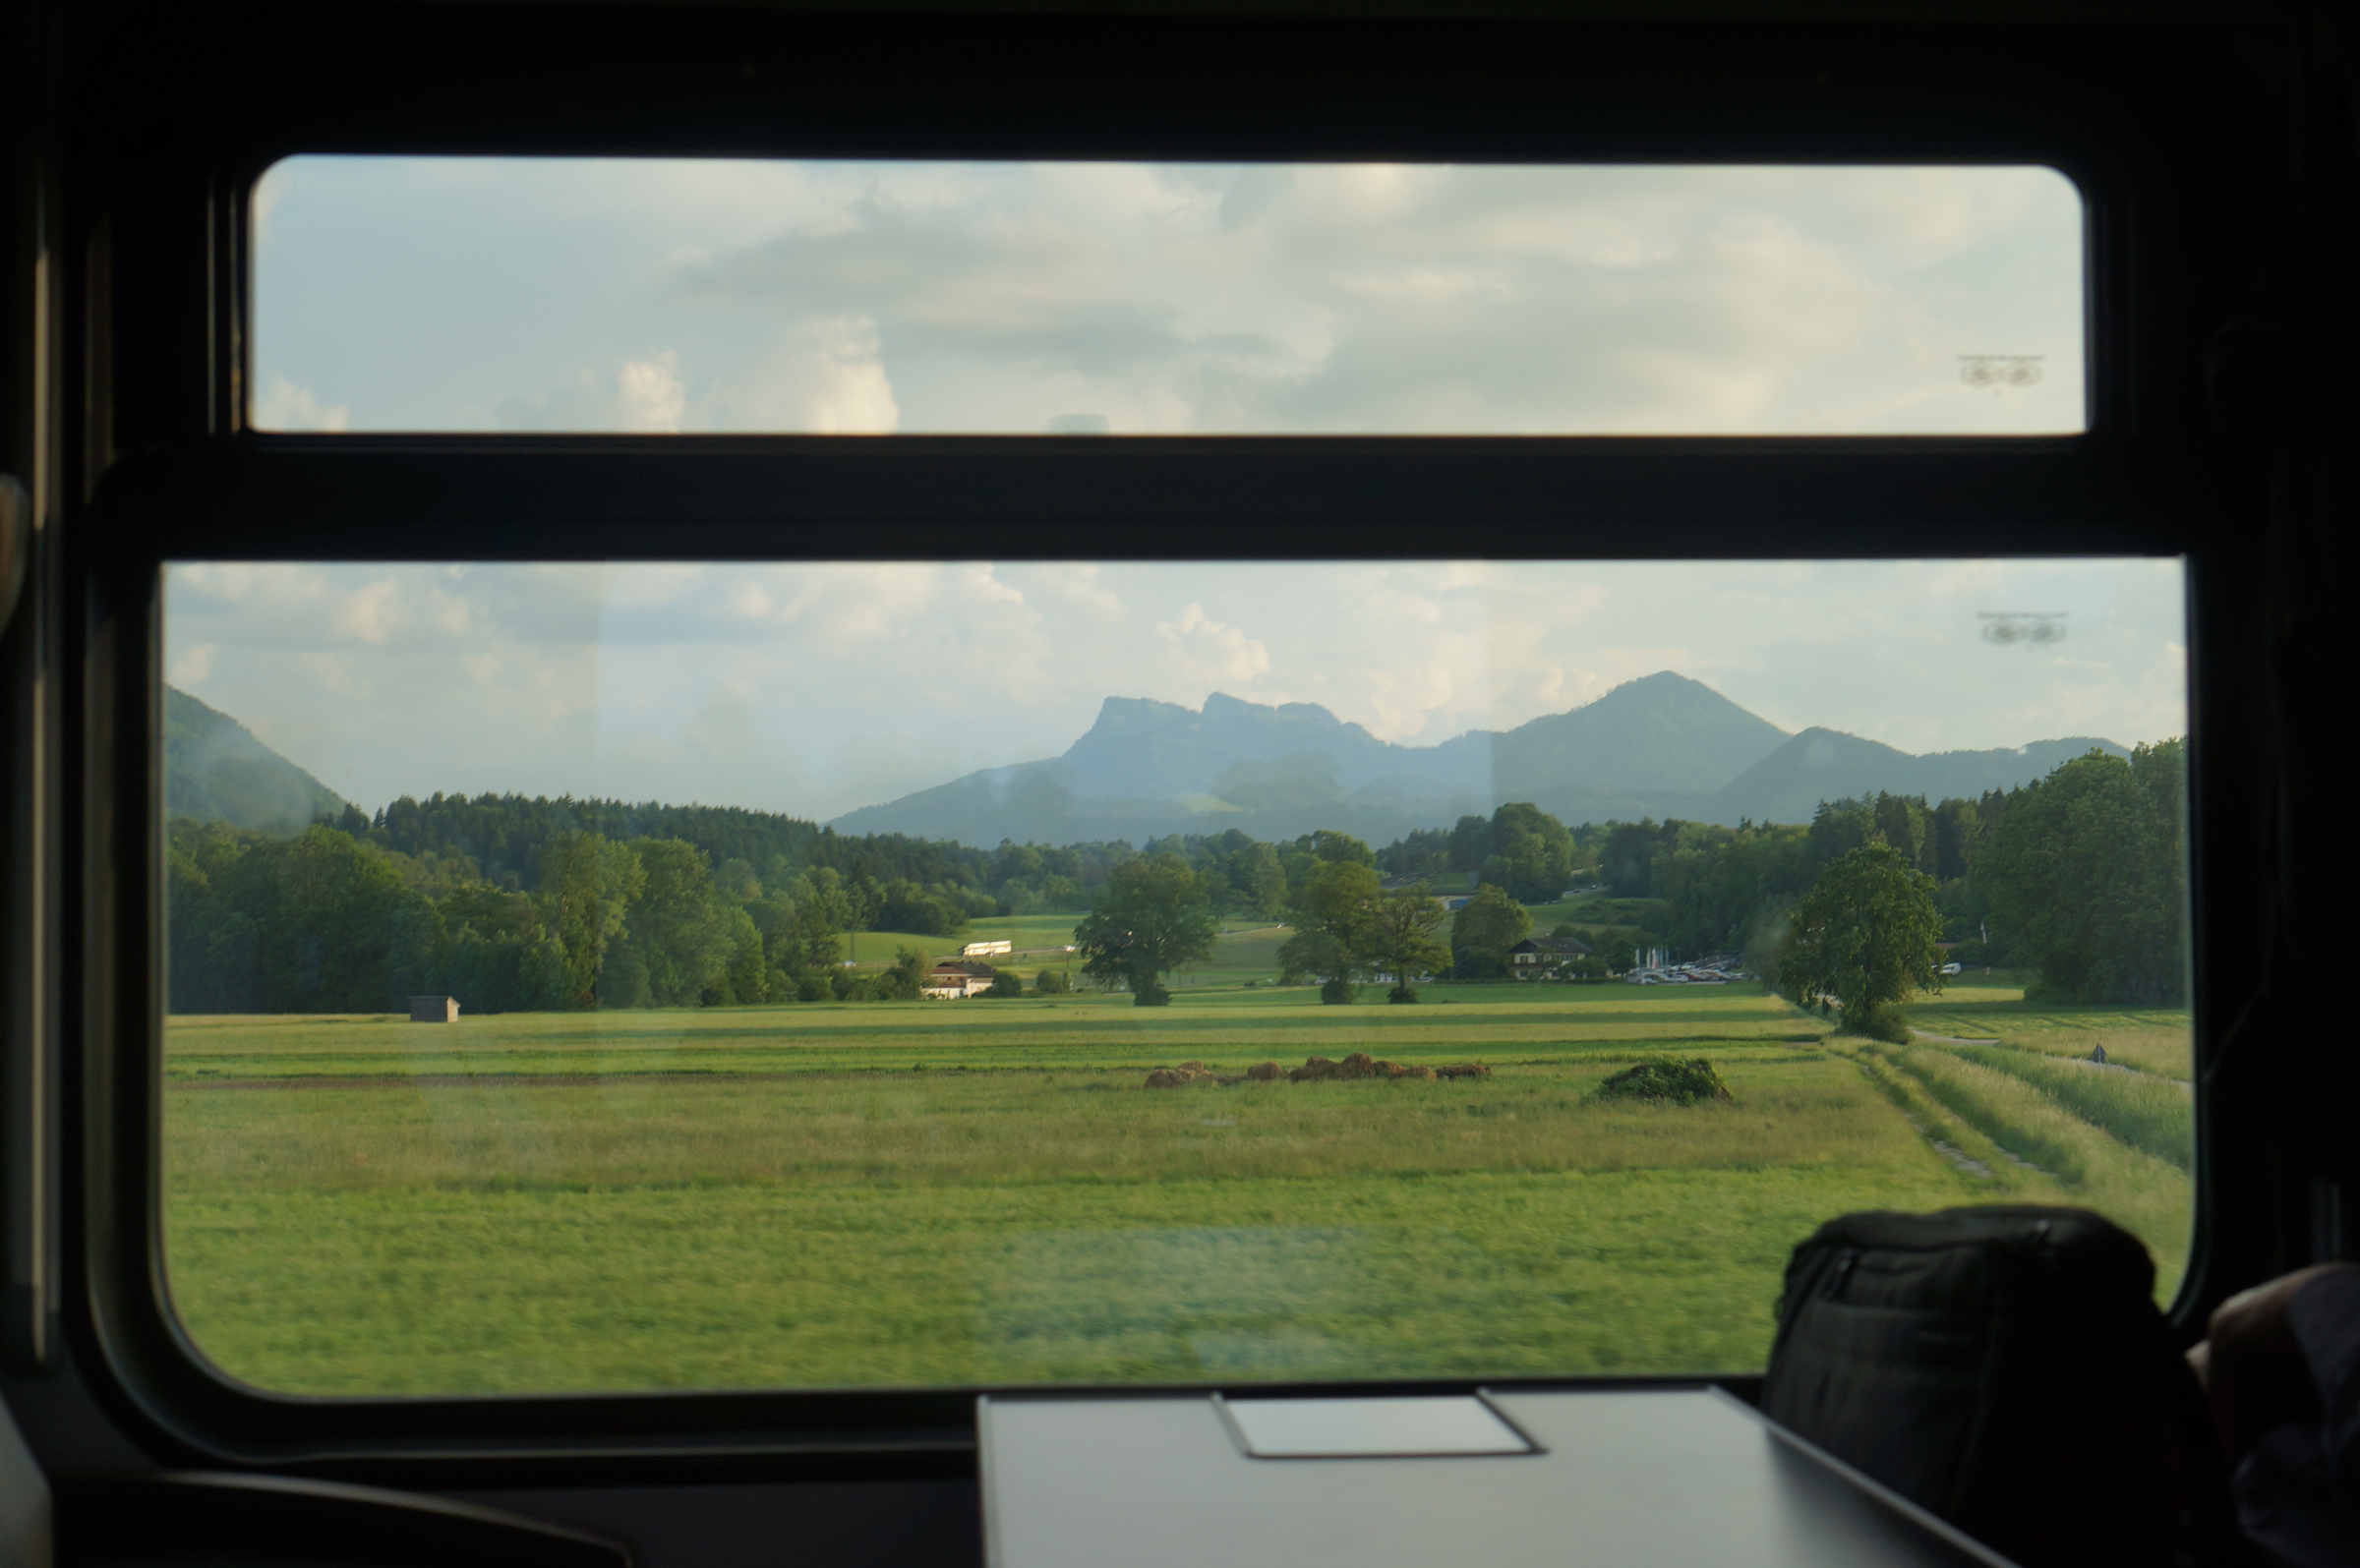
(284, 406)
(653, 400)
(872, 297)
(1209, 649)
(189, 668)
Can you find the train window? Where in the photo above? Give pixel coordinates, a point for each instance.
(881, 976)
(841, 296)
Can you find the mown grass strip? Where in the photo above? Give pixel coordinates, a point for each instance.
(2023, 1122)
(1940, 1124)
(2151, 1114)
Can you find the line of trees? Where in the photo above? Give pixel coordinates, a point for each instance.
(330, 922)
(515, 904)
(2079, 876)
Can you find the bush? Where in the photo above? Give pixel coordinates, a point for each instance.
(1149, 994)
(1666, 1084)
(1402, 991)
(1052, 982)
(1338, 991)
(1006, 982)
(1878, 1021)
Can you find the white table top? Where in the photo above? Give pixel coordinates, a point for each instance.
(1661, 1478)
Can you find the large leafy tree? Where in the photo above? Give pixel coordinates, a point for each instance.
(1864, 934)
(587, 885)
(1401, 937)
(1485, 927)
(678, 937)
(316, 923)
(2085, 873)
(1152, 919)
(1333, 909)
(1532, 854)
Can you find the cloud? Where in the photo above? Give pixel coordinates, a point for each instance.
(816, 687)
(822, 377)
(653, 400)
(1209, 649)
(284, 406)
(880, 296)
(191, 667)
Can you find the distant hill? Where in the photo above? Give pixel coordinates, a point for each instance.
(1150, 768)
(1827, 765)
(1660, 746)
(214, 769)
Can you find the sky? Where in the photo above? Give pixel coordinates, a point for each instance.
(652, 296)
(1070, 299)
(813, 689)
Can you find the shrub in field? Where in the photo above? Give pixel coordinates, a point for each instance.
(1052, 982)
(1666, 1084)
(1006, 982)
(1338, 991)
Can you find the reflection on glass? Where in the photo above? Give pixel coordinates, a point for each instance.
(832, 297)
(883, 975)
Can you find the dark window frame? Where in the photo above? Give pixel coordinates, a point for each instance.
(161, 468)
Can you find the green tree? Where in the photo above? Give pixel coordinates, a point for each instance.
(317, 923)
(1152, 919)
(1469, 844)
(1340, 848)
(1626, 859)
(676, 932)
(748, 978)
(1864, 934)
(1243, 875)
(1532, 854)
(902, 979)
(904, 905)
(1401, 937)
(587, 883)
(2085, 872)
(1485, 927)
(1901, 820)
(1333, 910)
(803, 922)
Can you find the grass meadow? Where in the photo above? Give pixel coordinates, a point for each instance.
(858, 1194)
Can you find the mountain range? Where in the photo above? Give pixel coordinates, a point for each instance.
(1660, 746)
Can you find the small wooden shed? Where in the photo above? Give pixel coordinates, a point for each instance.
(434, 1009)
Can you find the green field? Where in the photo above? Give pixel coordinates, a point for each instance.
(983, 1191)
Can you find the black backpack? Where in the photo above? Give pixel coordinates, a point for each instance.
(2005, 1369)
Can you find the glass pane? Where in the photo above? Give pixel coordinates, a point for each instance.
(939, 973)
(486, 294)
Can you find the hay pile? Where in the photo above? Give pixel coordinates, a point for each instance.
(1315, 1069)
(1667, 1083)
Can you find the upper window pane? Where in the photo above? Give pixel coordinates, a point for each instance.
(1080, 298)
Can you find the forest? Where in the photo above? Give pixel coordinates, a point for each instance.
(525, 904)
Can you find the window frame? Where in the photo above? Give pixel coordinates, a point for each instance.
(162, 469)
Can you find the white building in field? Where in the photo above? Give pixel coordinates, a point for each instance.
(951, 981)
(987, 950)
